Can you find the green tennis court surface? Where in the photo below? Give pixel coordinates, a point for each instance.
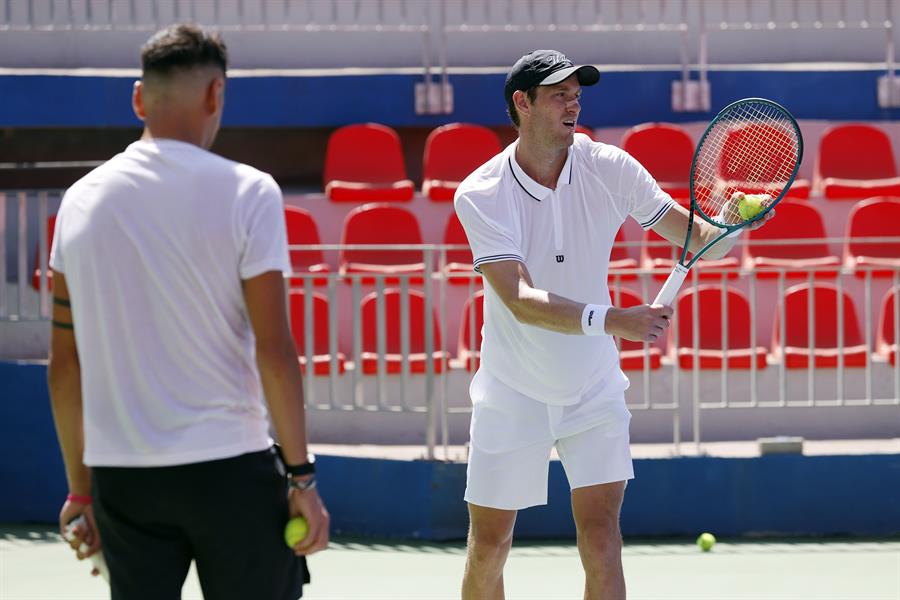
(34, 563)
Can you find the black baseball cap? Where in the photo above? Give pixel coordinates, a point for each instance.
(546, 67)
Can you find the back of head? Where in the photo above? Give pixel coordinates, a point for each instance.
(180, 48)
(181, 92)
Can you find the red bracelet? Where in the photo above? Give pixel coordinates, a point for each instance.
(79, 499)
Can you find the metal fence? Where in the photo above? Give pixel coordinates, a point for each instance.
(393, 371)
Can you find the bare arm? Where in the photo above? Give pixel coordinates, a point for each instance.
(540, 308)
(673, 226)
(282, 384)
(276, 358)
(512, 282)
(64, 382)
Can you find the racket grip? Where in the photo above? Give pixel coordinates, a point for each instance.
(97, 559)
(670, 288)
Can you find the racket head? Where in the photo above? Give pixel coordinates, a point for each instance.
(752, 147)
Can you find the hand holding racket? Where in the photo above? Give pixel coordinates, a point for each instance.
(745, 163)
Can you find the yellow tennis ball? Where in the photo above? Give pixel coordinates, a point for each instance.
(751, 205)
(295, 530)
(706, 541)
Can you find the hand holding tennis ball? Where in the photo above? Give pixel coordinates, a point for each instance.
(706, 541)
(295, 530)
(750, 205)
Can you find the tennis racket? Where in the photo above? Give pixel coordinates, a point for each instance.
(745, 163)
(97, 559)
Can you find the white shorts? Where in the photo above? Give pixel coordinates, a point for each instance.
(512, 436)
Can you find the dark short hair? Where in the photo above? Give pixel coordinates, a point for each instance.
(511, 106)
(182, 46)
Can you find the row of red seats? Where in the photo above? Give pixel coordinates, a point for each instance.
(376, 223)
(767, 247)
(393, 356)
(853, 161)
(382, 223)
(364, 163)
(741, 354)
(387, 224)
(795, 351)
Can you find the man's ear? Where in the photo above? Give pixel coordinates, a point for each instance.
(215, 95)
(520, 99)
(137, 100)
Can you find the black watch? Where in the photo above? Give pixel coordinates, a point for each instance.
(307, 468)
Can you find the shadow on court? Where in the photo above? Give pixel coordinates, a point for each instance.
(35, 563)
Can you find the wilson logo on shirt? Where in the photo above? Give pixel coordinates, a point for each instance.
(560, 258)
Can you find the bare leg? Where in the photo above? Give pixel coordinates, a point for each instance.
(490, 538)
(596, 510)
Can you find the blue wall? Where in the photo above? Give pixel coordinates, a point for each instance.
(621, 98)
(31, 471)
(416, 499)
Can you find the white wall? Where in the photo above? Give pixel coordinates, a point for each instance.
(267, 47)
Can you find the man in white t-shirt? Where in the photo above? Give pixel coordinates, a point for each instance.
(541, 218)
(169, 322)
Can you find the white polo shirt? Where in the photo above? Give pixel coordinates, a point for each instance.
(154, 244)
(564, 238)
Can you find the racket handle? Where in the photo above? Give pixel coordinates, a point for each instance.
(670, 288)
(97, 559)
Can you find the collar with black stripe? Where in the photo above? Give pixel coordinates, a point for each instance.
(532, 187)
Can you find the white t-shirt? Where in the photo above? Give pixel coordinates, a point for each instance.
(564, 238)
(154, 244)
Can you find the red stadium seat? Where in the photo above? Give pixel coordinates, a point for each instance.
(586, 131)
(793, 220)
(36, 276)
(381, 224)
(632, 356)
(619, 260)
(748, 175)
(886, 343)
(458, 261)
(301, 229)
(856, 161)
(452, 152)
(796, 349)
(662, 258)
(666, 151)
(710, 347)
(468, 352)
(364, 163)
(873, 218)
(393, 344)
(320, 356)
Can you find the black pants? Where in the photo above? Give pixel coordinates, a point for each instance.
(228, 515)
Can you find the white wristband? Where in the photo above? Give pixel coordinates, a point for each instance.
(593, 319)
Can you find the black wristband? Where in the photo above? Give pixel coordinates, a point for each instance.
(307, 468)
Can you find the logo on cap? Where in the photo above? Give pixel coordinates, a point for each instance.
(546, 67)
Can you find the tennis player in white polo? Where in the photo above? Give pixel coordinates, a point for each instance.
(541, 218)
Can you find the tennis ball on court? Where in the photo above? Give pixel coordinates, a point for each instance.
(295, 530)
(751, 205)
(706, 541)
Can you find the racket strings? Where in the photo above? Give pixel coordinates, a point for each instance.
(754, 149)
